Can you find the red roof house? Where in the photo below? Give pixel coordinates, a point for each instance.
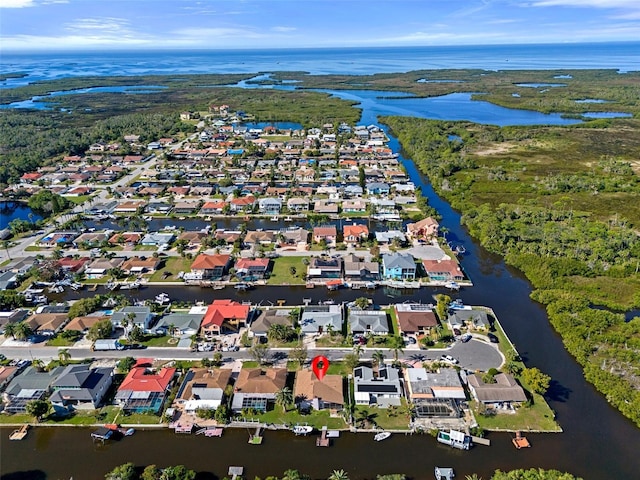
(144, 389)
(355, 233)
(224, 315)
(210, 266)
(251, 269)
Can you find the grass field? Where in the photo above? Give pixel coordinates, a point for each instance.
(538, 417)
(173, 266)
(281, 272)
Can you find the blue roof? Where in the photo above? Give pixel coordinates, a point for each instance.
(235, 151)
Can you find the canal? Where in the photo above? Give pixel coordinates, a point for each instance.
(597, 443)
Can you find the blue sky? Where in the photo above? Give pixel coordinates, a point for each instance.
(212, 24)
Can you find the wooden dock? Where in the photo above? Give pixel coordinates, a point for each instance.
(480, 441)
(256, 438)
(323, 441)
(20, 433)
(520, 442)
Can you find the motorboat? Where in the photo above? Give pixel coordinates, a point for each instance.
(381, 436)
(302, 429)
(444, 473)
(162, 299)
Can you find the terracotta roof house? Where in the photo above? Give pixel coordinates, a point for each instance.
(210, 266)
(83, 324)
(138, 265)
(243, 204)
(224, 315)
(228, 236)
(101, 266)
(280, 316)
(311, 393)
(327, 233)
(425, 229)
(194, 238)
(129, 206)
(80, 387)
(144, 389)
(46, 323)
(415, 318)
(125, 238)
(443, 270)
(325, 207)
(256, 388)
(383, 390)
(434, 394)
(252, 269)
(213, 208)
(504, 390)
(355, 233)
(75, 265)
(203, 388)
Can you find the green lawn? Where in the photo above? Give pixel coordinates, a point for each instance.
(146, 248)
(392, 418)
(537, 417)
(16, 418)
(79, 200)
(59, 342)
(316, 418)
(281, 272)
(173, 266)
(163, 341)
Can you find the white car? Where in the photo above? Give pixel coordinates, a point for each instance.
(449, 359)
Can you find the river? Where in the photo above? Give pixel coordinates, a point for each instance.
(597, 443)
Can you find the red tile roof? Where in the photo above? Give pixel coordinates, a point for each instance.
(355, 231)
(207, 262)
(141, 379)
(221, 310)
(245, 263)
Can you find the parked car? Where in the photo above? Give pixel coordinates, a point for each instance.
(449, 359)
(466, 337)
(493, 338)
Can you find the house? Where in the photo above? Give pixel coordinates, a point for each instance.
(29, 385)
(329, 234)
(473, 319)
(383, 390)
(215, 207)
(398, 266)
(279, 316)
(13, 316)
(311, 393)
(224, 316)
(325, 207)
(355, 268)
(6, 374)
(130, 206)
(259, 237)
(91, 239)
(377, 188)
(415, 318)
(8, 280)
(324, 268)
(207, 266)
(297, 237)
(297, 204)
(163, 208)
(46, 323)
(256, 388)
(243, 204)
(318, 319)
(425, 229)
(144, 389)
(434, 394)
(443, 270)
(158, 239)
(137, 265)
(80, 387)
(252, 269)
(368, 321)
(354, 206)
(228, 236)
(180, 324)
(270, 206)
(203, 388)
(355, 233)
(389, 236)
(185, 207)
(193, 239)
(100, 267)
(504, 390)
(83, 324)
(57, 239)
(127, 239)
(141, 317)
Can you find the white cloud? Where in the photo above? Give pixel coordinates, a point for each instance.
(104, 24)
(588, 3)
(283, 29)
(17, 3)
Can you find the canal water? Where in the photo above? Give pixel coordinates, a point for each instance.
(597, 443)
(10, 211)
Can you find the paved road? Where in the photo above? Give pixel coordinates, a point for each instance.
(473, 355)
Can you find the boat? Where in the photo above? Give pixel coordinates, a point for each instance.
(452, 285)
(102, 433)
(378, 437)
(274, 218)
(460, 250)
(243, 287)
(302, 429)
(370, 285)
(129, 431)
(20, 433)
(454, 439)
(444, 473)
(519, 441)
(163, 299)
(288, 219)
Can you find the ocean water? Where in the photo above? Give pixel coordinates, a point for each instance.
(622, 56)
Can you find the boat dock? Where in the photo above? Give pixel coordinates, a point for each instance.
(481, 441)
(210, 431)
(20, 433)
(256, 438)
(235, 472)
(520, 442)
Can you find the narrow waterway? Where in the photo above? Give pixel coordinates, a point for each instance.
(597, 443)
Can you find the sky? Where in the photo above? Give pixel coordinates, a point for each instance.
(223, 24)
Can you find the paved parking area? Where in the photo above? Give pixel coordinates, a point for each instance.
(473, 355)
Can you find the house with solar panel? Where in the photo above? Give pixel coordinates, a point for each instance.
(382, 388)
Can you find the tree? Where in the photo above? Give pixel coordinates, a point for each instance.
(536, 380)
(284, 398)
(361, 302)
(396, 343)
(179, 472)
(123, 472)
(125, 364)
(38, 408)
(378, 359)
(136, 334)
(151, 472)
(338, 475)
(260, 353)
(102, 329)
(64, 355)
(299, 354)
(10, 329)
(351, 360)
(222, 414)
(11, 299)
(442, 306)
(22, 331)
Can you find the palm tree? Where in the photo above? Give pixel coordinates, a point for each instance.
(38, 364)
(64, 355)
(10, 329)
(22, 331)
(378, 359)
(473, 476)
(338, 475)
(284, 398)
(396, 343)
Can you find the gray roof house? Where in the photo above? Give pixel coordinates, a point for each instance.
(280, 316)
(368, 321)
(81, 387)
(270, 205)
(8, 280)
(157, 238)
(504, 390)
(141, 316)
(29, 385)
(355, 268)
(398, 266)
(182, 324)
(382, 390)
(434, 394)
(475, 319)
(321, 318)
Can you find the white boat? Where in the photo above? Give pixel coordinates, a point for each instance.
(444, 473)
(452, 285)
(288, 219)
(162, 299)
(381, 436)
(302, 429)
(274, 218)
(129, 432)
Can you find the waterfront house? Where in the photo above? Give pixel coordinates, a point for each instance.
(329, 234)
(57, 239)
(224, 316)
(180, 324)
(206, 267)
(505, 389)
(324, 268)
(158, 239)
(126, 239)
(415, 318)
(354, 206)
(311, 393)
(256, 388)
(130, 206)
(186, 207)
(137, 265)
(101, 266)
(446, 270)
(426, 229)
(270, 206)
(193, 239)
(368, 321)
(203, 388)
(80, 387)
(144, 389)
(318, 319)
(31, 384)
(268, 317)
(296, 204)
(385, 238)
(243, 204)
(252, 269)
(355, 233)
(141, 317)
(398, 266)
(91, 239)
(47, 324)
(83, 324)
(382, 390)
(434, 394)
(471, 318)
(297, 237)
(325, 207)
(259, 237)
(356, 269)
(215, 207)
